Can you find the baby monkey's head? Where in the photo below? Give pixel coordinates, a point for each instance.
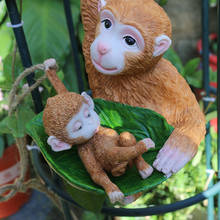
(69, 119)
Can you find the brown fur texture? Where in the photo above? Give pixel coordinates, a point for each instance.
(111, 155)
(147, 81)
(58, 112)
(105, 151)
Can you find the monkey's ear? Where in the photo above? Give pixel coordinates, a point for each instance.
(57, 145)
(88, 99)
(101, 4)
(162, 44)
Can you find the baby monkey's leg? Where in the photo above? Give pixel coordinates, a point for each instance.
(127, 139)
(98, 175)
(145, 170)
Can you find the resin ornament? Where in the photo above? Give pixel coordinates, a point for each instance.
(69, 119)
(123, 48)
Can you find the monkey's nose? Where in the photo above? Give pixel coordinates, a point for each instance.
(103, 48)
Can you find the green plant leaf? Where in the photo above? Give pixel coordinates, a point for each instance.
(211, 115)
(213, 75)
(6, 41)
(15, 124)
(2, 10)
(6, 79)
(163, 2)
(70, 77)
(4, 126)
(191, 67)
(46, 30)
(141, 122)
(195, 78)
(172, 56)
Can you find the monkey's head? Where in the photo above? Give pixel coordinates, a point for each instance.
(131, 36)
(69, 119)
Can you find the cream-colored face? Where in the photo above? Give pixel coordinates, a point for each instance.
(114, 40)
(84, 124)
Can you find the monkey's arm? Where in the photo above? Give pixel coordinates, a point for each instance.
(51, 70)
(182, 144)
(97, 174)
(89, 13)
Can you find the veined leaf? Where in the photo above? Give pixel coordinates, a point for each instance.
(46, 30)
(172, 56)
(141, 122)
(15, 125)
(6, 41)
(191, 67)
(2, 10)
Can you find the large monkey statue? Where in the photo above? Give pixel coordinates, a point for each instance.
(123, 48)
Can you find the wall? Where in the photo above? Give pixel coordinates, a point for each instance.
(186, 20)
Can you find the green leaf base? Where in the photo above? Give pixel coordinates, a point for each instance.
(140, 122)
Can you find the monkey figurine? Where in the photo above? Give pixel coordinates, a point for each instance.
(69, 119)
(123, 47)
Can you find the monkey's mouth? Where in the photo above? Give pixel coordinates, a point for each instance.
(102, 69)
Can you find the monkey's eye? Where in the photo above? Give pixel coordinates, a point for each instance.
(129, 40)
(87, 113)
(77, 126)
(107, 23)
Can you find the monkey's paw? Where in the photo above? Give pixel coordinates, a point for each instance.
(50, 63)
(146, 173)
(128, 199)
(149, 143)
(116, 196)
(170, 160)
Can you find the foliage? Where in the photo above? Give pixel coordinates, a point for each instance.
(47, 36)
(191, 71)
(162, 2)
(212, 3)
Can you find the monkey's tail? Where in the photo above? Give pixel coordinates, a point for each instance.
(51, 71)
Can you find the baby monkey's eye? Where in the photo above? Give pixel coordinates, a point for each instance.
(129, 40)
(87, 113)
(77, 126)
(107, 23)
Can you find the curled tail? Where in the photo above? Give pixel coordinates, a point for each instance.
(51, 71)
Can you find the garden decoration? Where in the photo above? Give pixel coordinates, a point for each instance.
(69, 119)
(106, 150)
(26, 59)
(123, 48)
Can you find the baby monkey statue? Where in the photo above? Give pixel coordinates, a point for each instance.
(69, 119)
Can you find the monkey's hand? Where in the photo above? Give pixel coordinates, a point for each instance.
(57, 145)
(176, 152)
(116, 196)
(148, 142)
(50, 63)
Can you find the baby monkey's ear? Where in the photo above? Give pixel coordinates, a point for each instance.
(57, 145)
(88, 99)
(101, 4)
